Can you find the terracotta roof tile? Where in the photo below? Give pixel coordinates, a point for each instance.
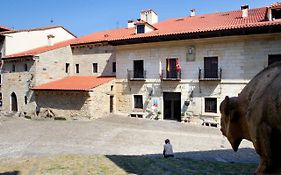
(188, 25)
(75, 83)
(4, 28)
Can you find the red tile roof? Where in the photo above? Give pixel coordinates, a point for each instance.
(4, 28)
(39, 50)
(189, 25)
(75, 83)
(275, 5)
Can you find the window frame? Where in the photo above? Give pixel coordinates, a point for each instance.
(13, 68)
(140, 28)
(77, 71)
(138, 101)
(95, 67)
(208, 107)
(67, 65)
(114, 67)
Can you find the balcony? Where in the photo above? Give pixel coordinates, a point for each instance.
(136, 75)
(170, 76)
(210, 75)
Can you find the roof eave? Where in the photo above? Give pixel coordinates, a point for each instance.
(199, 35)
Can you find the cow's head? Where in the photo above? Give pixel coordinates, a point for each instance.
(230, 121)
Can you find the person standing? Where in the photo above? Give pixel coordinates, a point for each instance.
(168, 149)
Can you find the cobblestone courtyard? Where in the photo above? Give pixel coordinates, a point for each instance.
(116, 136)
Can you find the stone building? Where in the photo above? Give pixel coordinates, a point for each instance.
(177, 69)
(33, 81)
(16, 41)
(182, 68)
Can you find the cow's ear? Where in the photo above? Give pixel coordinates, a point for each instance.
(227, 106)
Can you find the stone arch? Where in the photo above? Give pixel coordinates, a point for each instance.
(14, 102)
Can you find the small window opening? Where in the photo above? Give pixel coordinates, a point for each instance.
(140, 28)
(138, 104)
(77, 68)
(25, 99)
(95, 67)
(276, 13)
(14, 68)
(25, 67)
(114, 67)
(211, 105)
(67, 67)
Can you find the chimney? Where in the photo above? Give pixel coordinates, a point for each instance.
(131, 23)
(149, 16)
(245, 9)
(192, 12)
(50, 39)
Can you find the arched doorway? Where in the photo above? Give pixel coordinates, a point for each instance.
(14, 102)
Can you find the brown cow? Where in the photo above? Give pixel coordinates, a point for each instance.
(255, 115)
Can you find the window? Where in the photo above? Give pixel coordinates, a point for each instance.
(77, 68)
(211, 67)
(138, 69)
(173, 68)
(95, 67)
(114, 67)
(140, 28)
(138, 102)
(67, 67)
(13, 68)
(25, 99)
(276, 13)
(273, 58)
(211, 105)
(25, 67)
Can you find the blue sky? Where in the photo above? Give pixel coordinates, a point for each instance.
(87, 16)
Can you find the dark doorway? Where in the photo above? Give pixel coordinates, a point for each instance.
(111, 104)
(138, 69)
(273, 59)
(14, 103)
(211, 67)
(172, 106)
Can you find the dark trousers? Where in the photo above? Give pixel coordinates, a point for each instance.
(167, 156)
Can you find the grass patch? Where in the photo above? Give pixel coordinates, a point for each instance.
(119, 165)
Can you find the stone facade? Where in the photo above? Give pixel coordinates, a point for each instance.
(86, 55)
(240, 59)
(74, 104)
(21, 74)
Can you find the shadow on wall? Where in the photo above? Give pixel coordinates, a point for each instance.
(11, 173)
(227, 161)
(108, 69)
(63, 101)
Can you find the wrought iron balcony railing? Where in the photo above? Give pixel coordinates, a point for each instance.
(210, 75)
(136, 75)
(171, 75)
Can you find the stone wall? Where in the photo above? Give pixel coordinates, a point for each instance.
(240, 59)
(69, 105)
(86, 55)
(74, 104)
(18, 82)
(51, 65)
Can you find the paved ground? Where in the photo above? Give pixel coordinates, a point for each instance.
(116, 136)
